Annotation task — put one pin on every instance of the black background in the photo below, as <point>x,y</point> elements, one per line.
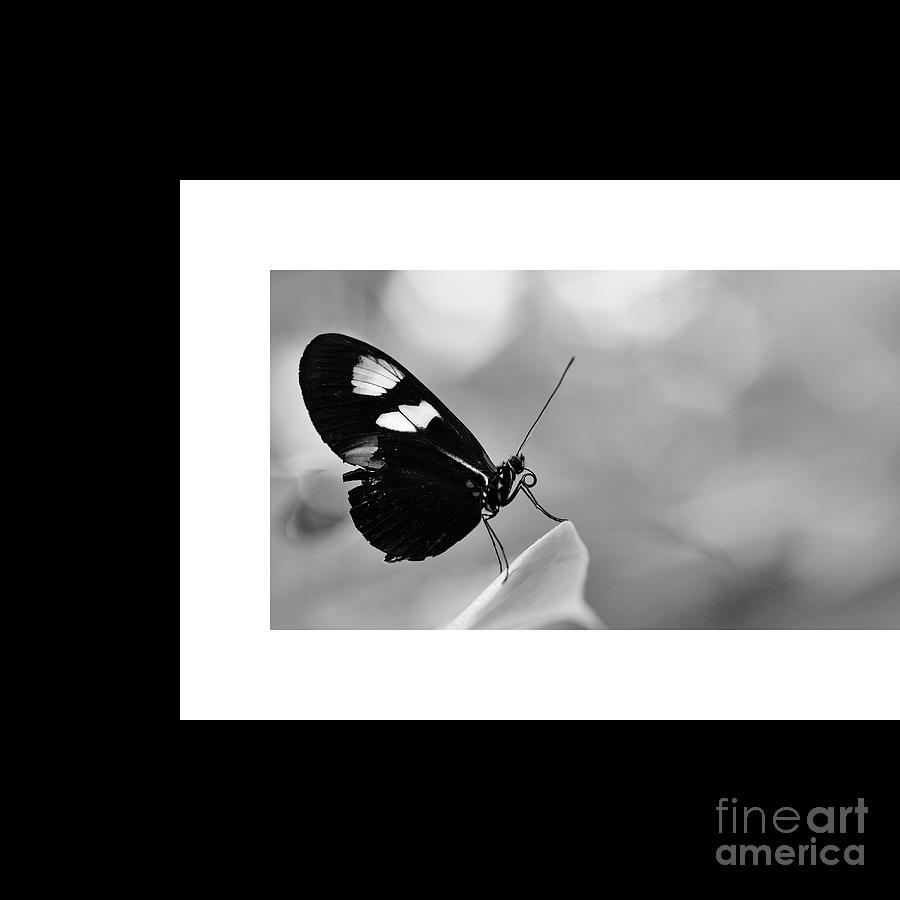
<point>442,807</point>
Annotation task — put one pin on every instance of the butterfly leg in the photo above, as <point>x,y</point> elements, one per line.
<point>495,542</point>
<point>533,499</point>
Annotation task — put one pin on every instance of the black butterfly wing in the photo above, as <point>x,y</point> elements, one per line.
<point>412,501</point>
<point>422,472</point>
<point>348,385</point>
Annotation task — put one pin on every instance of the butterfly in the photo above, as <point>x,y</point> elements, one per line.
<point>424,481</point>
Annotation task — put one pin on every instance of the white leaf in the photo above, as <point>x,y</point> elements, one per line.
<point>545,587</point>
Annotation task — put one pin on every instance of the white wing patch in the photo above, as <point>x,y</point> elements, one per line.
<point>395,421</point>
<point>409,418</point>
<point>374,377</point>
<point>364,455</point>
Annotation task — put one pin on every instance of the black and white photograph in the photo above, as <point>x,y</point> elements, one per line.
<point>543,450</point>
<point>722,452</point>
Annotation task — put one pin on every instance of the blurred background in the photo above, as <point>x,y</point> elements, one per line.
<point>727,443</point>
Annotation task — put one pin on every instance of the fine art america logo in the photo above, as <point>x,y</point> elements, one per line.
<point>818,837</point>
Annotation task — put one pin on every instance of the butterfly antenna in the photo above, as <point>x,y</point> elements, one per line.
<point>546,404</point>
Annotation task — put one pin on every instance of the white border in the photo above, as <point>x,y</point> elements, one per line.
<point>233,233</point>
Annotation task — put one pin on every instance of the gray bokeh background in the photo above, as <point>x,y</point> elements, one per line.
<point>727,443</point>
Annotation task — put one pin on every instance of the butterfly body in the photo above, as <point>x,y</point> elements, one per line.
<point>423,481</point>
<point>500,491</point>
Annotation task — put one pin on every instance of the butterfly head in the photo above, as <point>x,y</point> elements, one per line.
<point>517,463</point>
